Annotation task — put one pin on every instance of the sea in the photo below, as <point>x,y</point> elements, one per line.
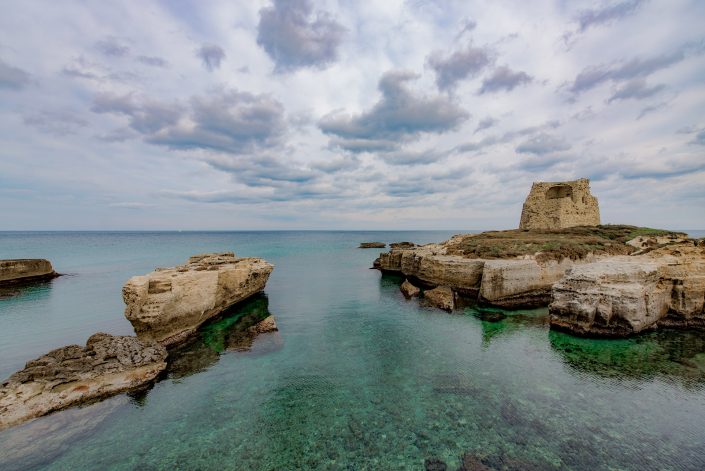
<point>356,378</point>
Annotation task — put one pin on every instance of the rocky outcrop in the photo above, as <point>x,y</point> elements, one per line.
<point>169,304</point>
<point>625,295</point>
<point>408,290</point>
<point>71,375</point>
<point>402,245</point>
<point>26,270</point>
<point>372,245</point>
<point>557,205</point>
<point>441,297</point>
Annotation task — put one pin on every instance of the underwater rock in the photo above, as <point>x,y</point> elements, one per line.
<point>409,290</point>
<point>372,245</point>
<point>490,315</point>
<point>434,464</point>
<point>625,295</point>
<point>440,297</point>
<point>470,462</point>
<point>267,324</point>
<point>26,270</point>
<point>73,375</point>
<point>169,304</point>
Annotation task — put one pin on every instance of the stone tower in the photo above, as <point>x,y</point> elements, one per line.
<point>555,205</point>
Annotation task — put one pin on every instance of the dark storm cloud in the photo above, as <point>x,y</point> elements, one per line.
<point>486,123</point>
<point>12,78</point>
<point>294,36</point>
<point>225,121</point>
<point>112,47</point>
<point>627,70</point>
<point>607,14</point>
<point>212,56</point>
<point>462,64</point>
<point>398,115</point>
<point>542,144</point>
<point>153,61</point>
<point>635,89</point>
<point>504,78</point>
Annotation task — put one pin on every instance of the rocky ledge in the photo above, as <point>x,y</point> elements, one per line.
<point>169,304</point>
<point>26,270</point>
<point>625,295</point>
<point>372,245</point>
<point>70,375</point>
<point>509,269</point>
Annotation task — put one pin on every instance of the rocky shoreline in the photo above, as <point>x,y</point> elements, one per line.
<point>26,270</point>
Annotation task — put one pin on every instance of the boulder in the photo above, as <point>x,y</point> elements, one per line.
<point>73,375</point>
<point>440,297</point>
<point>26,270</point>
<point>624,295</point>
<point>372,245</point>
<point>169,304</point>
<point>409,290</point>
<point>402,245</point>
<point>268,324</point>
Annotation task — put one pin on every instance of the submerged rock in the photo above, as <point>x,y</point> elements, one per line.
<point>409,290</point>
<point>26,270</point>
<point>372,245</point>
<point>440,297</point>
<point>169,304</point>
<point>620,296</point>
<point>73,375</point>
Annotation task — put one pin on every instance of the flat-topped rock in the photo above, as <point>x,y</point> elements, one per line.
<point>169,304</point>
<point>73,375</point>
<point>372,245</point>
<point>26,270</point>
<point>625,295</point>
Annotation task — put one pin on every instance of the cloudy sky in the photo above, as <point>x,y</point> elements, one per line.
<point>347,114</point>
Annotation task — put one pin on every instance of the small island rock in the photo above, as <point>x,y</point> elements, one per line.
<point>372,245</point>
<point>26,270</point>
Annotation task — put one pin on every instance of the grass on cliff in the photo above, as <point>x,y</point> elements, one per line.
<point>573,242</point>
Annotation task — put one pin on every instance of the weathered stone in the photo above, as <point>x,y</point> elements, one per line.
<point>372,245</point>
<point>25,270</point>
<point>624,295</point>
<point>268,324</point>
<point>402,245</point>
<point>409,290</point>
<point>557,205</point>
<point>440,297</point>
<point>72,375</point>
<point>168,305</point>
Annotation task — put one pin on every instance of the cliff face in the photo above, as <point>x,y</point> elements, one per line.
<point>620,296</point>
<point>169,304</point>
<point>557,205</point>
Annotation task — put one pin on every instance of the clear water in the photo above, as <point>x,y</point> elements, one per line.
<point>357,378</point>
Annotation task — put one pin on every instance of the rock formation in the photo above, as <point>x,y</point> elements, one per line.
<point>26,270</point>
<point>372,245</point>
<point>441,297</point>
<point>169,304</point>
<point>557,205</point>
<point>624,295</point>
<point>409,290</point>
<point>70,375</point>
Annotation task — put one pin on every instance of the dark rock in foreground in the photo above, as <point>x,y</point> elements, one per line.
<point>70,375</point>
<point>372,245</point>
<point>26,270</point>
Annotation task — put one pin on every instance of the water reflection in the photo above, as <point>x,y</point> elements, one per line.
<point>230,332</point>
<point>670,354</point>
<point>35,289</point>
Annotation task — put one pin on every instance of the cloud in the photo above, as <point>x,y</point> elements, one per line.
<point>542,144</point>
<point>153,61</point>
<point>294,37</point>
<point>486,123</point>
<point>462,64</point>
<point>406,157</point>
<point>651,109</point>
<point>699,138</point>
<point>635,89</point>
<point>212,56</point>
<point>593,17</point>
<point>112,47</point>
<point>399,115</point>
<point>57,123</point>
<point>504,78</point>
<point>226,120</point>
<point>12,78</point>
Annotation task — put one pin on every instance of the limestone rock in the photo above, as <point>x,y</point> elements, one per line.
<point>169,304</point>
<point>440,297</point>
<point>409,290</point>
<point>372,245</point>
<point>72,375</point>
<point>557,205</point>
<point>402,245</point>
<point>25,270</point>
<point>268,324</point>
<point>624,295</point>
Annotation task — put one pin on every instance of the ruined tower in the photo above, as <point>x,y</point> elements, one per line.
<point>555,205</point>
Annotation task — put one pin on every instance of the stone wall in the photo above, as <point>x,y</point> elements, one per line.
<point>557,205</point>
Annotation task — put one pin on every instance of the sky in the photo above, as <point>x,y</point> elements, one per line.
<point>364,114</point>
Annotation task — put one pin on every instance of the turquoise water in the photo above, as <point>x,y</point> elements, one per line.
<point>356,378</point>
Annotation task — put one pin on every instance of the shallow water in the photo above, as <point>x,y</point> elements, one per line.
<point>356,378</point>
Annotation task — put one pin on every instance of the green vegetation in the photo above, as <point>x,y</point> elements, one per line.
<point>573,242</point>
